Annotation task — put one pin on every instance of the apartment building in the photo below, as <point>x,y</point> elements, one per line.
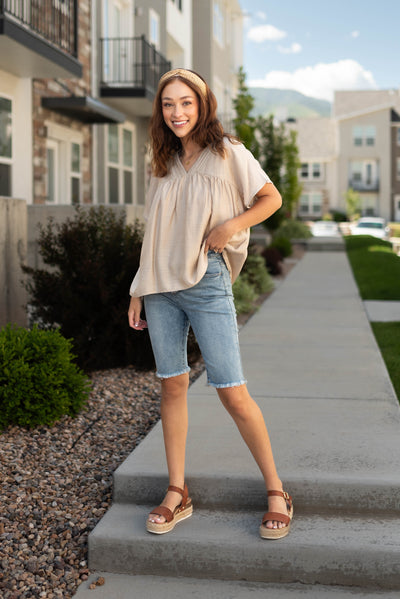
<point>218,50</point>
<point>360,149</point>
<point>316,139</point>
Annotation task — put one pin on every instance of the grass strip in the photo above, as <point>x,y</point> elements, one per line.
<point>375,266</point>
<point>387,335</point>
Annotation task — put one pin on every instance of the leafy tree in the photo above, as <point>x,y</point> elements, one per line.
<point>353,204</point>
<point>291,186</point>
<point>244,124</point>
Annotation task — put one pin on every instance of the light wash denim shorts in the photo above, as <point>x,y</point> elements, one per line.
<point>208,307</point>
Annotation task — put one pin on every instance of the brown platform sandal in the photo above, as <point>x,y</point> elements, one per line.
<point>277,533</point>
<point>181,512</point>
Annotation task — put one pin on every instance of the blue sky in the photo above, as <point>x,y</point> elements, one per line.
<point>316,47</point>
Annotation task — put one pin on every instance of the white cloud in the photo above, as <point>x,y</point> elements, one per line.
<point>261,16</point>
<point>263,33</point>
<point>320,80</point>
<point>293,49</point>
<point>355,34</point>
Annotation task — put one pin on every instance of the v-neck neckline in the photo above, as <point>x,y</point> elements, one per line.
<point>202,153</point>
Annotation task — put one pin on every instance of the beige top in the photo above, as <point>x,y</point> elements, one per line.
<point>181,210</point>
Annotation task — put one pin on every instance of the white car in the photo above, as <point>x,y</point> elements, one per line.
<point>325,228</point>
<point>371,225</point>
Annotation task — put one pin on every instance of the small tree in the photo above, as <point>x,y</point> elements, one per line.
<point>291,186</point>
<point>353,204</point>
<point>243,122</point>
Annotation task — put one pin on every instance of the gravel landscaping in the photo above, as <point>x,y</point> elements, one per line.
<point>56,482</point>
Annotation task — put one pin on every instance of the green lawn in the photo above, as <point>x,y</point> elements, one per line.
<point>375,266</point>
<point>387,335</point>
<point>376,269</point>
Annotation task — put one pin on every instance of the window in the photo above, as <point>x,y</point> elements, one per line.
<point>120,160</point>
<point>364,175</point>
<point>364,136</point>
<point>5,146</point>
<point>75,173</point>
<point>312,171</point>
<point>64,165</point>
<point>398,168</point>
<point>310,204</point>
<point>218,21</point>
<point>398,136</point>
<point>304,171</point>
<point>154,24</point>
<point>178,4</point>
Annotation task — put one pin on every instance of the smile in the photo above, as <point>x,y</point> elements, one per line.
<point>179,123</point>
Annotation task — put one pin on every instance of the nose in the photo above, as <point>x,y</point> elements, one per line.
<point>176,110</point>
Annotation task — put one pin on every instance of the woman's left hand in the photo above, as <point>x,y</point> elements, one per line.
<point>218,237</point>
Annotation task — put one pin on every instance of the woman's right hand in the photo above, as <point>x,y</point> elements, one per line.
<point>135,308</point>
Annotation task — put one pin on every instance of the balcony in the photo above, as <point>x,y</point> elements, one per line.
<point>130,71</point>
<point>39,38</point>
<point>362,185</point>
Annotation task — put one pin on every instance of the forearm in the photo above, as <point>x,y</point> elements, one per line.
<point>265,205</point>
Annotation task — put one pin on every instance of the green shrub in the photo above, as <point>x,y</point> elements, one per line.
<point>273,260</point>
<point>255,272</point>
<point>244,295</point>
<point>338,216</point>
<point>283,245</point>
<point>293,229</point>
<point>92,258</point>
<point>39,383</point>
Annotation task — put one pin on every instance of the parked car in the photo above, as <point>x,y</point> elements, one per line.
<point>325,228</point>
<point>370,225</point>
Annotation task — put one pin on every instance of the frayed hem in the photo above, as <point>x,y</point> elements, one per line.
<point>226,385</point>
<point>170,376</point>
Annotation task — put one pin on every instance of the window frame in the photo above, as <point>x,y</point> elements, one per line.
<point>120,166</point>
<point>9,160</point>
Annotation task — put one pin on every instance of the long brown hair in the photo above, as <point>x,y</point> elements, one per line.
<point>208,131</point>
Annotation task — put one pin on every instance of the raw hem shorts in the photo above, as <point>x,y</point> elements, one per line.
<point>209,309</point>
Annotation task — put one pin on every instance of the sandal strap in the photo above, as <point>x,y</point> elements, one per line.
<point>283,494</point>
<point>184,492</point>
<point>269,516</point>
<point>163,511</point>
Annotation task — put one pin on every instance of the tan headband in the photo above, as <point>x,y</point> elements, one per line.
<point>189,76</point>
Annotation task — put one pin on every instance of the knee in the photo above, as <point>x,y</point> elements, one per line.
<point>236,401</point>
<point>175,387</point>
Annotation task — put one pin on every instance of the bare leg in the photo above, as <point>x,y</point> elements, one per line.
<point>174,418</point>
<point>250,422</point>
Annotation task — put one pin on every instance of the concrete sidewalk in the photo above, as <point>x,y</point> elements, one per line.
<point>315,369</point>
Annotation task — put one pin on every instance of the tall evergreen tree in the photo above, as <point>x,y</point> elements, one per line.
<point>291,186</point>
<point>244,123</point>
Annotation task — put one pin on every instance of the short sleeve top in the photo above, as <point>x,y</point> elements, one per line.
<point>183,207</point>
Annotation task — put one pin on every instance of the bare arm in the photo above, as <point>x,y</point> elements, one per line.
<point>268,201</point>
<point>135,308</point>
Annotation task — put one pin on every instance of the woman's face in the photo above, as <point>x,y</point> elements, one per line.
<point>180,108</point>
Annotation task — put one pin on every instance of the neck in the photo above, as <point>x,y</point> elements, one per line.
<point>189,147</point>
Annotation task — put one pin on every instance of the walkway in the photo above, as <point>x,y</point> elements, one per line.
<point>315,369</point>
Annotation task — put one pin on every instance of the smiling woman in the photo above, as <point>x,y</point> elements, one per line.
<point>206,191</point>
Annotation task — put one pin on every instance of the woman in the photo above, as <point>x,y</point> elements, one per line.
<point>206,192</point>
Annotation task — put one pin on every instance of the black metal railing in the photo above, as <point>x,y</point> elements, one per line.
<point>54,20</point>
<point>131,62</point>
<point>364,185</point>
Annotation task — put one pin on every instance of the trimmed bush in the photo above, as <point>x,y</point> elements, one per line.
<point>39,382</point>
<point>273,260</point>
<point>255,272</point>
<point>283,245</point>
<point>293,229</point>
<point>91,260</point>
<point>244,295</point>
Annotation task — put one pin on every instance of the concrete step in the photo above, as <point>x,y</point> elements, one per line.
<point>346,550</point>
<point>122,586</point>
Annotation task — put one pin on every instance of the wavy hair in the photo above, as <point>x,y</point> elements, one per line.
<point>208,130</point>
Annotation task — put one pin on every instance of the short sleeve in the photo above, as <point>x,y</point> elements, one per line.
<point>247,173</point>
<point>149,196</point>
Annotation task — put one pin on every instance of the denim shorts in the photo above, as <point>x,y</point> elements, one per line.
<point>209,309</point>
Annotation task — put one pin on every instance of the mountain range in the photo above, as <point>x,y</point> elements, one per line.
<point>287,103</point>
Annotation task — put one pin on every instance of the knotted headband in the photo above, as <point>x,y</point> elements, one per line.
<point>189,76</point>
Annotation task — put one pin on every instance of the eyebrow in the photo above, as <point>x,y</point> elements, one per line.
<point>183,97</point>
